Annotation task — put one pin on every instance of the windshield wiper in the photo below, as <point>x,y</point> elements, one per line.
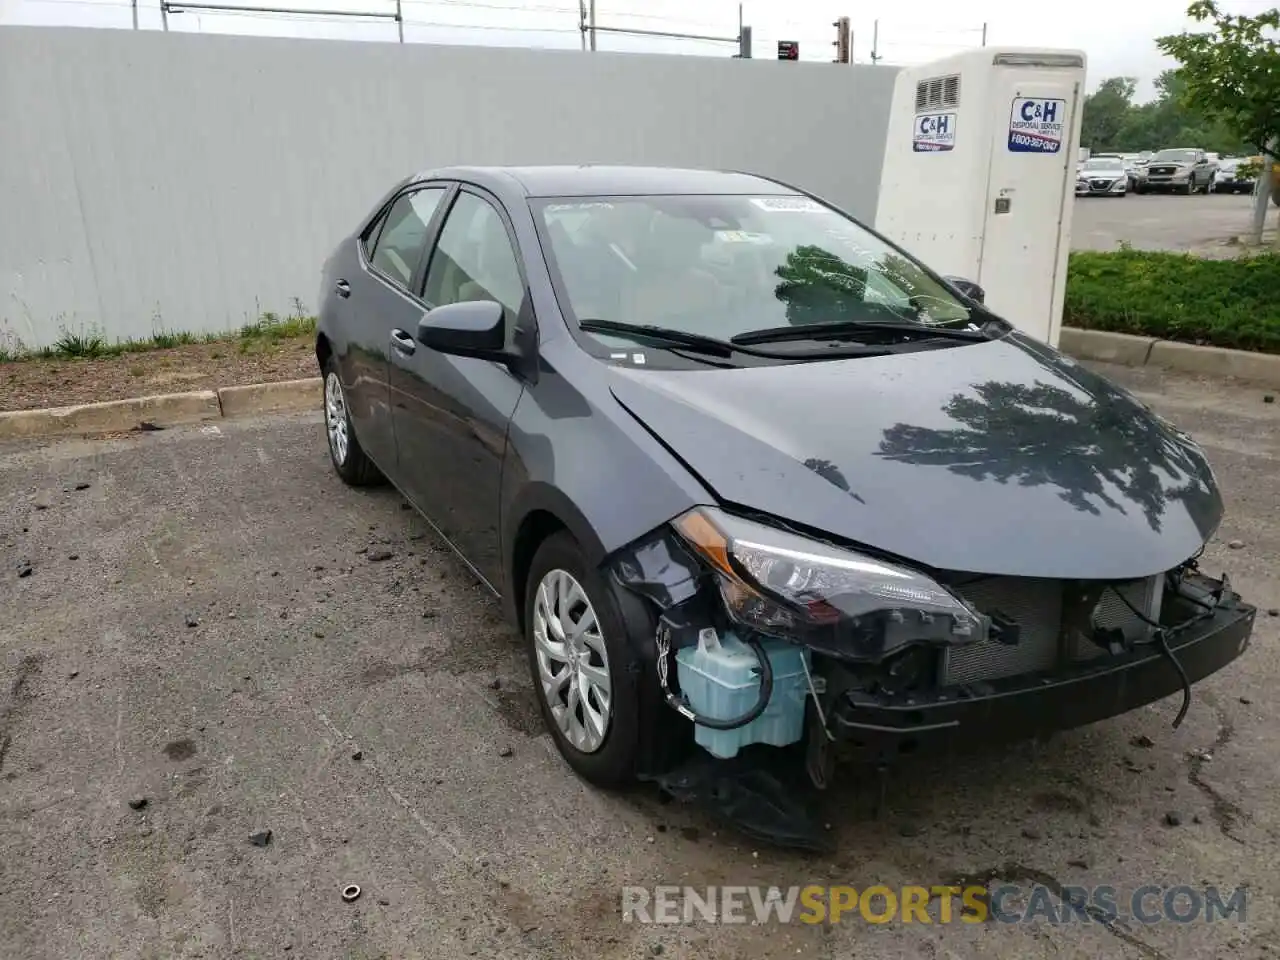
<point>669,337</point>
<point>663,335</point>
<point>838,329</point>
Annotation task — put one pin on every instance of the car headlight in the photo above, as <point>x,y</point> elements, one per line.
<point>787,585</point>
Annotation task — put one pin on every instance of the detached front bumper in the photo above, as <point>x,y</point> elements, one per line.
<point>873,729</point>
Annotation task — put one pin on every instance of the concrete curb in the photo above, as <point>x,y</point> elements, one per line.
<point>112,416</point>
<point>166,410</point>
<point>278,397</point>
<point>1260,368</point>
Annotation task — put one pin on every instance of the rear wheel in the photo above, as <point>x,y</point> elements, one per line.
<point>345,453</point>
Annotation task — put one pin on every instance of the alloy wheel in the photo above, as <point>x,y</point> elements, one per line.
<point>335,417</point>
<point>573,663</point>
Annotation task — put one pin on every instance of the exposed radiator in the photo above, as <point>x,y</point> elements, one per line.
<point>1037,607</point>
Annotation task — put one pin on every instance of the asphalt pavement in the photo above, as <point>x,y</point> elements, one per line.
<point>1204,225</point>
<point>216,638</point>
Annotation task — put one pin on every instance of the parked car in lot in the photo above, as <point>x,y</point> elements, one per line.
<point>1136,169</point>
<point>1234,176</point>
<point>1102,177</point>
<point>1179,171</point>
<point>745,473</point>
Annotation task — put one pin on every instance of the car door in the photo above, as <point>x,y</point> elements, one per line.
<point>378,300</point>
<point>451,413</point>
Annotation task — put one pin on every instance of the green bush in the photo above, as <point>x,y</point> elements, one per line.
<point>1173,296</point>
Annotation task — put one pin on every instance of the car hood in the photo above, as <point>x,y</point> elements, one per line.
<point>1111,172</point>
<point>1002,457</point>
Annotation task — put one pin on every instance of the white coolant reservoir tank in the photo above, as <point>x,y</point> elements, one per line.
<point>720,678</point>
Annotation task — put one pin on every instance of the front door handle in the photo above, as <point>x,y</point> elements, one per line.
<point>343,288</point>
<point>403,342</point>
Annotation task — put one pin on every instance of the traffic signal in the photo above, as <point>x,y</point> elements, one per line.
<point>788,50</point>
<point>842,42</point>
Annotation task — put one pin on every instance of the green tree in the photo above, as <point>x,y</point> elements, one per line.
<point>1166,121</point>
<point>1106,111</point>
<point>1232,72</point>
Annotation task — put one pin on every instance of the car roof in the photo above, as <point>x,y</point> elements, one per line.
<point>594,180</point>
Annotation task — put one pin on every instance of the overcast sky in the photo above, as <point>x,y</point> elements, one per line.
<point>1117,36</point>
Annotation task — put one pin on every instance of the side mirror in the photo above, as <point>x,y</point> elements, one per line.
<point>473,328</point>
<point>969,289</point>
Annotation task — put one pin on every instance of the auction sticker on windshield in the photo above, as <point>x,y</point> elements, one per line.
<point>786,204</point>
<point>934,133</point>
<point>742,236</point>
<point>1037,125</point>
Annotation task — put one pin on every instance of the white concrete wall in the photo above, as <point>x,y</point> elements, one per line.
<point>162,182</point>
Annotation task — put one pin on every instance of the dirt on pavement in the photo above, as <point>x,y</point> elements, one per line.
<point>34,383</point>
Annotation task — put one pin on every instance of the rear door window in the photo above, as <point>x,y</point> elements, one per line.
<point>403,238</point>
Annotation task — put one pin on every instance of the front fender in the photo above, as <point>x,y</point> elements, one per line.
<point>574,453</point>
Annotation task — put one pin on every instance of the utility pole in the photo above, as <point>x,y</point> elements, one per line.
<point>164,14</point>
<point>744,43</point>
<point>399,21</point>
<point>984,34</point>
<point>842,40</point>
<point>592,16</point>
<point>875,42</point>
<point>134,4</point>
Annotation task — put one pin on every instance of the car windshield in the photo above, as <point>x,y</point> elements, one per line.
<point>1104,164</point>
<point>722,266</point>
<point>1175,156</point>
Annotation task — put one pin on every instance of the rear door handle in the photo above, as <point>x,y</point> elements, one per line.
<point>343,288</point>
<point>403,342</point>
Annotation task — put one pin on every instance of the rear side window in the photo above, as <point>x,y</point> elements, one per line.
<point>400,241</point>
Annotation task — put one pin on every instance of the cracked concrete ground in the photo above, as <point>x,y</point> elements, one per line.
<point>200,630</point>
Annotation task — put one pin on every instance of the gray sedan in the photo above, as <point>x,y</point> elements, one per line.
<point>746,474</point>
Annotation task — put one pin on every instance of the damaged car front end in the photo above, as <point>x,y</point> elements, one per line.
<point>770,636</point>
<point>755,484</point>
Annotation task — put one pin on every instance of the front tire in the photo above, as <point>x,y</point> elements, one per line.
<point>579,658</point>
<point>349,460</point>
